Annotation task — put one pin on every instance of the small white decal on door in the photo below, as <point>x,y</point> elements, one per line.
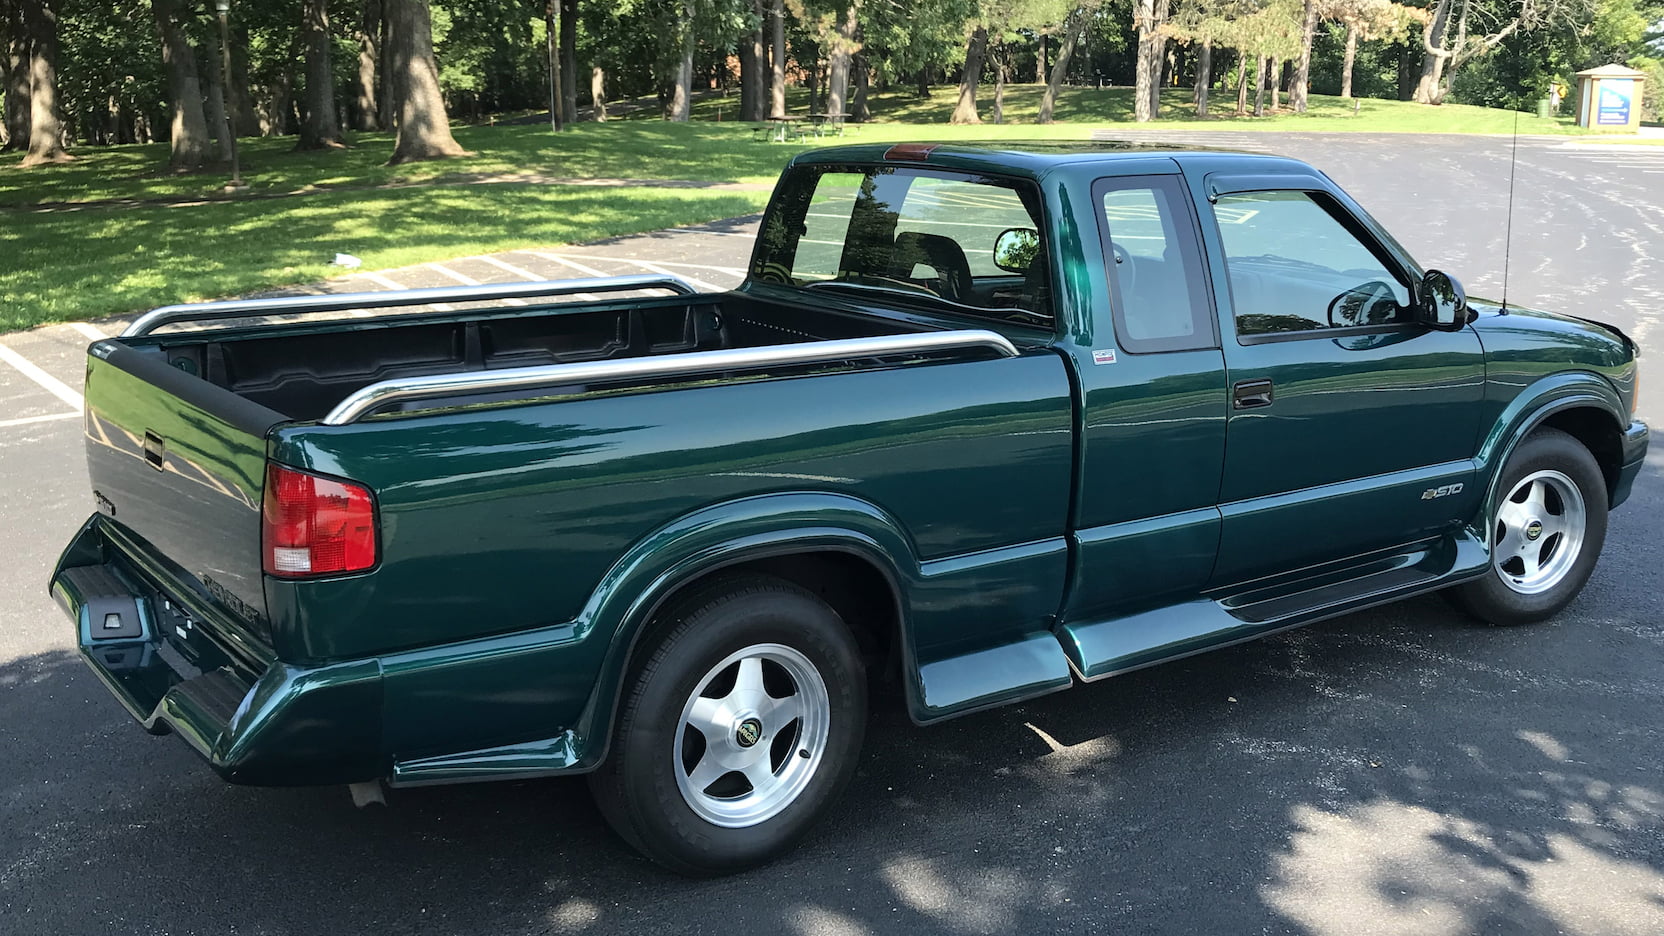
<point>1104,356</point>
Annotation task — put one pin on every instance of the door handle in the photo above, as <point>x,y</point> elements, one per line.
<point>1251,394</point>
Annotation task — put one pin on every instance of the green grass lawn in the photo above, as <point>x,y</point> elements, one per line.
<point>66,266</point>
<point>111,248</point>
<point>1114,106</point>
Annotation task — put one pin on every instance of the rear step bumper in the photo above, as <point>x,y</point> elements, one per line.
<point>280,725</point>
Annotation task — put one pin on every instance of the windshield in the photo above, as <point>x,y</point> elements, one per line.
<point>964,244</point>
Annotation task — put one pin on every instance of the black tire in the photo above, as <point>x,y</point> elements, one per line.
<point>1491,598</point>
<point>637,788</point>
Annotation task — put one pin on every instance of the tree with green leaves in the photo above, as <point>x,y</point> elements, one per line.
<point>424,128</point>
<point>188,131</point>
<point>1496,20</point>
<point>991,29</point>
<point>1365,21</point>
<point>14,74</point>
<point>1079,19</point>
<point>319,128</point>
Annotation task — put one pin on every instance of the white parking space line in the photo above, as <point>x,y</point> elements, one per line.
<point>92,333</point>
<point>585,270</point>
<point>525,274</point>
<point>521,272</point>
<point>730,271</point>
<point>655,268</point>
<point>382,281</point>
<point>387,282</point>
<point>462,278</point>
<point>28,420</point>
<point>52,384</point>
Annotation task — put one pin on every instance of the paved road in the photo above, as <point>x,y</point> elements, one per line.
<point>1398,771</point>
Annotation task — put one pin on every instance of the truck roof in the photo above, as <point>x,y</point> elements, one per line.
<point>1039,157</point>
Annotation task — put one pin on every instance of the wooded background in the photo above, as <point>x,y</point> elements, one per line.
<point>100,72</point>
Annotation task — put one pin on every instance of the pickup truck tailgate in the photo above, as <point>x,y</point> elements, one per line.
<point>178,465</point>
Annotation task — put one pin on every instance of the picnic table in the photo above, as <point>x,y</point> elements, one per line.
<point>780,126</point>
<point>828,123</point>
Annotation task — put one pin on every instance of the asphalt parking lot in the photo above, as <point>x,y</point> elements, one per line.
<point>1399,771</point>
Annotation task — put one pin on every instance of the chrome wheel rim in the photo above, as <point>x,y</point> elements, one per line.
<point>1538,532</point>
<point>751,736</point>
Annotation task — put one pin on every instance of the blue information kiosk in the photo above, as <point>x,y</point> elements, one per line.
<point>1609,99</point>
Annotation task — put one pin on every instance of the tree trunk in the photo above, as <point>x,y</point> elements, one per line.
<point>188,137</point>
<point>598,93</point>
<point>242,99</point>
<point>1000,64</point>
<point>424,129</point>
<point>551,58</point>
<point>279,104</point>
<point>923,81</point>
<point>1346,63</point>
<point>319,129</point>
<point>777,59</point>
<point>1158,55</point>
<point>1432,66</point>
<point>1144,14</point>
<point>975,50</point>
<point>748,78</point>
<point>1040,62</point>
<point>837,70</point>
<point>366,116</point>
<point>1204,77</point>
<point>1303,71</point>
<point>1454,62</point>
<point>1242,83</point>
<point>1071,36</point>
<point>1262,63</point>
<point>753,67</point>
<point>214,103</point>
<point>45,123</point>
<point>14,70</point>
<point>681,105</point>
<point>384,99</point>
<point>569,61</point>
<point>1273,73</point>
<point>860,113</point>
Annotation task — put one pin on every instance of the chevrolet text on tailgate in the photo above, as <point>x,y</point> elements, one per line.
<point>989,422</point>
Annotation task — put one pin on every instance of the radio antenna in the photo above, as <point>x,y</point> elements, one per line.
<point>1508,230</point>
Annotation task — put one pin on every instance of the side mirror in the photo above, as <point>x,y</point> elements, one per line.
<point>1444,304</point>
<point>1015,249</point>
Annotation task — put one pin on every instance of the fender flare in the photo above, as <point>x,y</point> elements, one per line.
<point>622,606</point>
<point>1527,411</point>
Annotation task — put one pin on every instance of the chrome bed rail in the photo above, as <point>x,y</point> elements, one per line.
<point>343,302</point>
<point>669,365</point>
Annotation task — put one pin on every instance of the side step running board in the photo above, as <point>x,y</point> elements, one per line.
<point>1097,649</point>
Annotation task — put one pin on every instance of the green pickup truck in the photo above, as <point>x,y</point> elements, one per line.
<point>985,422</point>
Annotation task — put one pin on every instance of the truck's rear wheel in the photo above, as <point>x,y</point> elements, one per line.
<point>741,728</point>
<point>1546,532</point>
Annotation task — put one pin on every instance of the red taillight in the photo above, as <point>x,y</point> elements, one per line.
<point>315,526</point>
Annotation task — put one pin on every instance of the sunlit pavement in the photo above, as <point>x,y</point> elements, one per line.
<point>1400,771</point>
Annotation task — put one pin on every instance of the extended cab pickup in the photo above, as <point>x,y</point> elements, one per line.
<point>995,422</point>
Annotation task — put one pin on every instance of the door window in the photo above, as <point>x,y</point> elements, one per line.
<point>1157,284</point>
<point>1294,267</point>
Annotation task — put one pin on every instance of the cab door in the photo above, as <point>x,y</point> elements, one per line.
<point>1351,427</point>
<point>1153,391</point>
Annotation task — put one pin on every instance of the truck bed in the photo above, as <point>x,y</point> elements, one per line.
<point>303,371</point>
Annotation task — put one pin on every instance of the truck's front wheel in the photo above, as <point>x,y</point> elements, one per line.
<point>1546,532</point>
<point>740,729</point>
